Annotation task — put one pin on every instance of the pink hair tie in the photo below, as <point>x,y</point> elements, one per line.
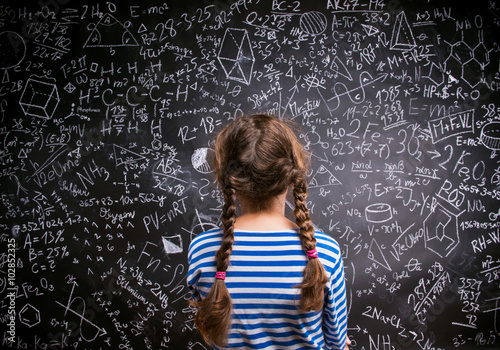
<point>220,275</point>
<point>311,254</point>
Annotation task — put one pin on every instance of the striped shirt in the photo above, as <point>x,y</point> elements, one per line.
<point>264,268</point>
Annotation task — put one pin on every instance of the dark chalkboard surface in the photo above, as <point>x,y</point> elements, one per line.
<point>107,116</point>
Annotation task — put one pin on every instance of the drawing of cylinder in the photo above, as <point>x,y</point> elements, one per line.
<point>378,212</point>
<point>490,136</point>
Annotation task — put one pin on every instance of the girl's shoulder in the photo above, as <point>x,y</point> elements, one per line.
<point>326,241</point>
<point>212,236</point>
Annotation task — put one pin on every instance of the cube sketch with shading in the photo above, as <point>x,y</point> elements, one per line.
<point>39,98</point>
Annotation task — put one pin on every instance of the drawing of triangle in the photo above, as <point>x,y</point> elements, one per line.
<point>6,77</point>
<point>323,177</point>
<point>338,67</point>
<point>126,157</point>
<point>236,73</point>
<point>142,28</point>
<point>452,79</point>
<point>172,244</point>
<point>370,30</point>
<point>402,35</point>
<point>109,32</point>
<point>375,254</point>
<point>22,154</point>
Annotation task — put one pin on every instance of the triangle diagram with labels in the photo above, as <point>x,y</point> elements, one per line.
<point>339,67</point>
<point>375,254</point>
<point>323,177</point>
<point>128,158</point>
<point>109,32</point>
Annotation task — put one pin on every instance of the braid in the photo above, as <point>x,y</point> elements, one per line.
<point>228,218</point>
<point>302,215</point>
<point>213,318</point>
<point>258,157</point>
<point>314,280</point>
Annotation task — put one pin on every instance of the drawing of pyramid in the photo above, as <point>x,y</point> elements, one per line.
<point>402,36</point>
<point>323,177</point>
<point>109,32</point>
<point>236,55</point>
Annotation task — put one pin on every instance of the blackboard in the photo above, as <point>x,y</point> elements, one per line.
<point>107,116</point>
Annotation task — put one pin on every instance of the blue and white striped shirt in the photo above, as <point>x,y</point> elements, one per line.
<point>264,268</point>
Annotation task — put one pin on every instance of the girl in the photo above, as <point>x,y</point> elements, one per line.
<point>263,281</point>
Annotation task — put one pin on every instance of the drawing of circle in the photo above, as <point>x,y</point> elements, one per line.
<point>313,22</point>
<point>490,136</point>
<point>312,82</point>
<point>201,160</point>
<point>13,49</point>
<point>378,212</point>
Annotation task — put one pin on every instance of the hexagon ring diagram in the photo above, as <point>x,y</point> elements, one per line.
<point>441,231</point>
<point>29,315</point>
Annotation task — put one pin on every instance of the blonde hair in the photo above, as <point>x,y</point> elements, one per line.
<point>257,157</point>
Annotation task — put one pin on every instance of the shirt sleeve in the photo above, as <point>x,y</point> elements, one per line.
<point>335,313</point>
<point>193,275</point>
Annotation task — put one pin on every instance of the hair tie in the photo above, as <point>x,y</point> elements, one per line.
<point>220,275</point>
<point>311,254</point>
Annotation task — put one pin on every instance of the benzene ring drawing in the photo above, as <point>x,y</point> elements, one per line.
<point>441,231</point>
<point>29,315</point>
<point>236,55</point>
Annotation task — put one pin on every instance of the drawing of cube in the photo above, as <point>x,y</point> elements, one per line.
<point>236,55</point>
<point>39,98</point>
